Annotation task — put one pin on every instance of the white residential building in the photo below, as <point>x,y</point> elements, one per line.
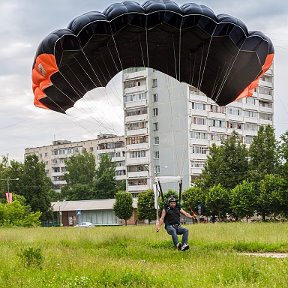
<point>169,126</point>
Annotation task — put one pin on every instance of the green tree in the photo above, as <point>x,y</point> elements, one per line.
<point>243,200</point>
<point>123,205</point>
<point>217,201</point>
<point>226,164</point>
<point>80,169</point>
<point>192,197</point>
<point>146,206</point>
<point>16,214</point>
<point>34,185</point>
<point>105,183</point>
<point>270,197</point>
<point>77,192</point>
<point>264,154</point>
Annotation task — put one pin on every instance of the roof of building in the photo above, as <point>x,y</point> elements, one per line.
<point>85,205</point>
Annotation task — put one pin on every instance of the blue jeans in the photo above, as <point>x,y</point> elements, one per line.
<point>180,231</point>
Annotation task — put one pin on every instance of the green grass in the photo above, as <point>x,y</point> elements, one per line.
<point>137,256</point>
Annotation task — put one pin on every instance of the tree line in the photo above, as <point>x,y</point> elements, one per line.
<point>235,181</point>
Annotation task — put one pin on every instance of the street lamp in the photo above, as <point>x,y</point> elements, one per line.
<point>8,186</point>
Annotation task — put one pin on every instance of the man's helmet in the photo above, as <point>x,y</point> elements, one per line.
<point>172,199</point>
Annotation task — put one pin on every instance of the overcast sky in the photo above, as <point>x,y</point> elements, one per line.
<point>24,24</point>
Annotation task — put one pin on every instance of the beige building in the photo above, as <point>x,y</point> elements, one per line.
<point>54,155</point>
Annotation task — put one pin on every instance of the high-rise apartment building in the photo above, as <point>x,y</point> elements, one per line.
<point>169,126</point>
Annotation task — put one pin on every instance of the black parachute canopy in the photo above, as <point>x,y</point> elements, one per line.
<point>216,54</point>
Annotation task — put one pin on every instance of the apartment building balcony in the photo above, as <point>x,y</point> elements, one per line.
<point>196,170</point>
<point>121,158</point>
<point>216,115</point>
<point>251,119</point>
<point>139,174</point>
<point>197,112</point>
<point>250,133</point>
<point>57,173</point>
<point>59,182</point>
<point>140,146</point>
<point>266,109</point>
<point>135,89</point>
<point>265,83</point>
<point>202,142</point>
<point>198,156</point>
<point>231,130</point>
<point>217,129</point>
<point>120,177</point>
<point>265,97</point>
<point>236,118</point>
<point>137,161</point>
<point>135,75</point>
<point>265,122</point>
<point>195,97</point>
<point>198,127</point>
<point>143,131</point>
<point>135,118</point>
<point>133,104</point>
<point>138,188</point>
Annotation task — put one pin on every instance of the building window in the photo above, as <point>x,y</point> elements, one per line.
<point>137,154</point>
<point>156,154</point>
<point>154,83</point>
<point>155,97</point>
<point>155,126</point>
<point>198,106</point>
<point>198,120</point>
<point>198,135</point>
<point>156,140</point>
<point>234,111</point>
<point>234,125</point>
<point>251,114</point>
<point>217,123</point>
<point>155,112</point>
<point>251,127</point>
<point>157,169</point>
<point>199,149</point>
<point>265,116</point>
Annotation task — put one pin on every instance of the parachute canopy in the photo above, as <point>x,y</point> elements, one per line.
<point>216,54</point>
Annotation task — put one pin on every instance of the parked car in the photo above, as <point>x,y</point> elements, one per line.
<point>85,224</point>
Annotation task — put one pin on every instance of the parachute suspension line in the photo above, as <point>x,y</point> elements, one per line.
<point>91,66</point>
<point>120,96</point>
<point>112,34</point>
<point>161,191</point>
<point>228,73</point>
<point>185,148</point>
<point>112,58</point>
<point>175,59</point>
<point>180,191</point>
<point>199,73</point>
<point>142,53</point>
<point>192,75</point>
<point>216,80</point>
<point>206,58</point>
<point>70,116</point>
<point>99,122</point>
<point>147,47</point>
<point>179,50</point>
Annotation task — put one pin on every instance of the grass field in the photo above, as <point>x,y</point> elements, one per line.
<point>137,256</point>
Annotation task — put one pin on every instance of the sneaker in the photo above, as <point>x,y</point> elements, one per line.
<point>179,245</point>
<point>185,247</point>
